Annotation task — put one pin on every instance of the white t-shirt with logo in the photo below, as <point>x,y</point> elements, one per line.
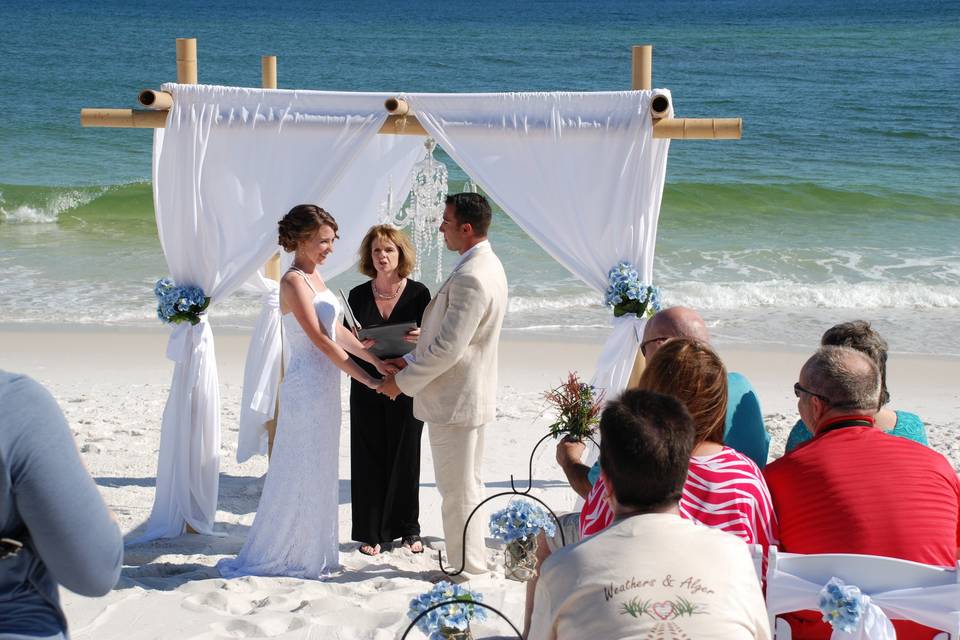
<point>650,576</point>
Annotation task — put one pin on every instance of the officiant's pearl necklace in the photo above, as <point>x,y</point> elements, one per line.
<point>386,296</point>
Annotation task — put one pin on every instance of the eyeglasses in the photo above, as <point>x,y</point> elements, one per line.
<point>643,345</point>
<point>797,389</point>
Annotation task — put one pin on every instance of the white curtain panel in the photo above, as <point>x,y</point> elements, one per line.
<point>579,172</point>
<point>228,165</point>
<point>357,201</point>
<point>261,371</point>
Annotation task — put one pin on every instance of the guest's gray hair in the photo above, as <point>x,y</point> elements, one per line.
<point>847,377</point>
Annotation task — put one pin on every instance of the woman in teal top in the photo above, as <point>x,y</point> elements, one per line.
<point>906,425</point>
<point>860,336</point>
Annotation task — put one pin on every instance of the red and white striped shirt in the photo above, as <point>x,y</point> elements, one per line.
<point>723,491</point>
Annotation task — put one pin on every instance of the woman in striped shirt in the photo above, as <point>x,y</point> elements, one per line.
<point>724,489</point>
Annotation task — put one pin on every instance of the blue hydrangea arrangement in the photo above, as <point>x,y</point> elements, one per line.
<point>521,520</point>
<point>626,294</point>
<point>842,605</point>
<point>439,623</point>
<point>179,304</point>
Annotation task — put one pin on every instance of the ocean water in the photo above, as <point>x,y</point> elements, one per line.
<point>841,201</point>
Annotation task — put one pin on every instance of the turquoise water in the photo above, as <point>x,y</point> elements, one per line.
<point>842,200</point>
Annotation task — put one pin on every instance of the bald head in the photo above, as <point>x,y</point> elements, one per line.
<point>675,322</point>
<point>847,378</point>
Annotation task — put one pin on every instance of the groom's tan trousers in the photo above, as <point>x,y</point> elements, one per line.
<point>457,460</point>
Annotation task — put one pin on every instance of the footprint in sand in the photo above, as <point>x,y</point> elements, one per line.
<point>265,626</point>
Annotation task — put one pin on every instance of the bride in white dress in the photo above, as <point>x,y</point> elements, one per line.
<point>295,532</point>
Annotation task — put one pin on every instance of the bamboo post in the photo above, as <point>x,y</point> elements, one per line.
<point>268,80</point>
<point>186,74</point>
<point>642,67</point>
<point>641,80</point>
<point>187,60</point>
<point>639,364</point>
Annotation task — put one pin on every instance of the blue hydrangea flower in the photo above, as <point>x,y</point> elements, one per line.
<point>521,520</point>
<point>176,304</point>
<point>626,294</point>
<point>451,616</point>
<point>842,605</point>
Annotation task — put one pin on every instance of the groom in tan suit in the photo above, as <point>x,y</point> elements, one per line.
<point>452,374</point>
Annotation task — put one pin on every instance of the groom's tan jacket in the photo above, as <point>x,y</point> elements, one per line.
<point>453,380</point>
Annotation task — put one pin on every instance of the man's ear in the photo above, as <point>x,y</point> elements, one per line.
<point>819,407</point>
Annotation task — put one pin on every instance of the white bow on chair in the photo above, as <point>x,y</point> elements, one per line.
<point>937,607</point>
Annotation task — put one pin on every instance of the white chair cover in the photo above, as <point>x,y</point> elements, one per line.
<point>933,606</point>
<point>579,172</point>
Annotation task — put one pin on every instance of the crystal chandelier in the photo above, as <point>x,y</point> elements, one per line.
<point>424,209</point>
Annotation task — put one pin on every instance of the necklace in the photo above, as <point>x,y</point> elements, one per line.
<point>386,296</point>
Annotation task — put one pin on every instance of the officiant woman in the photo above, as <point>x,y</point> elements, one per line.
<point>384,435</point>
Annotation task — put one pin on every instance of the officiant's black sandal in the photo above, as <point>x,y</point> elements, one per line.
<point>409,541</point>
<point>369,549</point>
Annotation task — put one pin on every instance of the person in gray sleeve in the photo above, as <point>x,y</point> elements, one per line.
<point>50,505</point>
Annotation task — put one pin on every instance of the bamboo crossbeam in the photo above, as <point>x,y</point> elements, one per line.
<point>659,106</point>
<point>156,100</point>
<point>396,106</point>
<point>401,119</point>
<point>672,128</point>
<point>123,118</point>
<point>698,128</point>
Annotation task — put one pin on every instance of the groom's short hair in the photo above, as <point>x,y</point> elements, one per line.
<point>472,209</point>
<point>645,443</point>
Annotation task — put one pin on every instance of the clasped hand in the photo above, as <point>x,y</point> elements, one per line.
<point>388,385</point>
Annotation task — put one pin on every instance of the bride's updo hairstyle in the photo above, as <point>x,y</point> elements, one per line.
<point>301,223</point>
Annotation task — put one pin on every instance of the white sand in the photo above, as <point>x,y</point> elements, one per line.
<point>112,386</point>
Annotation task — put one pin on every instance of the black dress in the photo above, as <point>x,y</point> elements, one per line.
<point>384,436</point>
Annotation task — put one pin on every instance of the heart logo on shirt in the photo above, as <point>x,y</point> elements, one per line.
<point>663,610</point>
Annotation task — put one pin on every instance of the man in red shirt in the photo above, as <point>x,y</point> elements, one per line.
<point>854,488</point>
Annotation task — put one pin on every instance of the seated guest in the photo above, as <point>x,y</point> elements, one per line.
<point>860,336</point>
<point>743,428</point>
<point>651,573</point>
<point>724,489</point>
<point>49,505</point>
<point>856,489</point>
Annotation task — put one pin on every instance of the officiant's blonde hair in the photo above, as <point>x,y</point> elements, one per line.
<point>407,258</point>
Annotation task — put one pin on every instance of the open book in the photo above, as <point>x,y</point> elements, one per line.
<point>389,337</point>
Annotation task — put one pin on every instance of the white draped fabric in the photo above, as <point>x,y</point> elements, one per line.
<point>383,165</point>
<point>229,163</point>
<point>579,172</point>
<point>937,607</point>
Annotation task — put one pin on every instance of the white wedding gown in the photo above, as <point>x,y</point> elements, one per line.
<point>295,532</point>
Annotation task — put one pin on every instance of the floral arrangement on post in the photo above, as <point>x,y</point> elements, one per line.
<point>179,304</point>
<point>578,408</point>
<point>451,621</point>
<point>842,605</point>
<point>626,294</point>
<point>518,525</point>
